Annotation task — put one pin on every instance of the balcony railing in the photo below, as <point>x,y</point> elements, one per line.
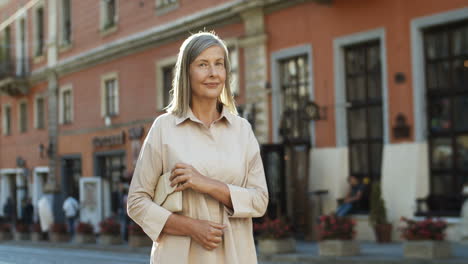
<point>14,75</point>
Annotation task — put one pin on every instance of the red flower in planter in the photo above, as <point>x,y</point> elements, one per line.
<point>427,229</point>
<point>58,228</point>
<point>84,228</point>
<point>110,227</point>
<point>273,229</point>
<point>22,228</point>
<point>332,227</point>
<point>5,228</point>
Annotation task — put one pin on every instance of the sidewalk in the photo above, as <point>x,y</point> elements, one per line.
<point>371,253</point>
<point>307,252</point>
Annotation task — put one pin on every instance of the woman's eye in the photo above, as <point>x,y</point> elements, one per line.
<point>203,65</point>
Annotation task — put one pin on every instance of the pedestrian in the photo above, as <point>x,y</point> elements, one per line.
<point>46,218</point>
<point>353,196</point>
<point>8,210</point>
<point>70,208</point>
<point>211,155</point>
<point>27,211</point>
<point>123,216</point>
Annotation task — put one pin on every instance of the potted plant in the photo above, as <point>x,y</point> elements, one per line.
<point>58,233</point>
<point>425,239</point>
<point>274,237</point>
<point>22,232</point>
<point>36,234</point>
<point>109,232</point>
<point>85,233</point>
<point>336,236</point>
<point>137,237</point>
<point>5,232</point>
<point>378,215</point>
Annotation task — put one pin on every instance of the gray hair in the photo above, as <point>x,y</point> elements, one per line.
<point>192,47</point>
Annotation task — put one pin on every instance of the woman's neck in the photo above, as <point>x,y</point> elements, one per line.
<point>205,110</point>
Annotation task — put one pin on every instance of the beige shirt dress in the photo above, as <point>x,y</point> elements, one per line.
<point>226,151</point>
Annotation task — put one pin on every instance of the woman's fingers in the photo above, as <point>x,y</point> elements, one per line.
<point>179,179</point>
<point>177,172</point>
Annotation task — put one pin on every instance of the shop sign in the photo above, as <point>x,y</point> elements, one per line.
<point>109,141</point>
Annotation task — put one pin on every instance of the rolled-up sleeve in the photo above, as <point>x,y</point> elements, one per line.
<point>250,200</point>
<point>140,206</point>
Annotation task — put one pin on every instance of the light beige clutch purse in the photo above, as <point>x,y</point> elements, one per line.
<point>165,196</point>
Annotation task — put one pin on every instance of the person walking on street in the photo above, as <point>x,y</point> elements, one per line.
<point>46,218</point>
<point>27,211</point>
<point>71,207</point>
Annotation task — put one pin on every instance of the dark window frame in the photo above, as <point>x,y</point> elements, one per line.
<point>450,202</point>
<point>369,171</point>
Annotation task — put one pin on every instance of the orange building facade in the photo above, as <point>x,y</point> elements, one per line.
<point>375,89</point>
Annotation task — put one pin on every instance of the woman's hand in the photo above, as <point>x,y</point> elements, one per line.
<point>188,177</point>
<point>208,234</point>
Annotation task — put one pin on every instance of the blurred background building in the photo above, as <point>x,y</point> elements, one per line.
<point>372,88</point>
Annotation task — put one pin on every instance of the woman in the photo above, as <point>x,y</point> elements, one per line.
<point>214,159</point>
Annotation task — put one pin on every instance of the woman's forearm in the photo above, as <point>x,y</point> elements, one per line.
<point>178,225</point>
<point>220,191</point>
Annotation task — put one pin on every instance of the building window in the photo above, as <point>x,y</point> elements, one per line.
<point>23,117</point>
<point>66,22</point>
<point>446,66</point>
<point>168,75</point>
<point>22,70</point>
<point>234,60</point>
<point>164,6</point>
<point>66,105</point>
<point>294,78</point>
<point>109,14</point>
<point>40,113</point>
<point>364,113</point>
<point>110,95</point>
<point>5,56</point>
<point>39,32</point>
<point>7,120</point>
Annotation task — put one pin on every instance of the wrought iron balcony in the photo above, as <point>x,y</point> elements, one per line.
<point>14,76</point>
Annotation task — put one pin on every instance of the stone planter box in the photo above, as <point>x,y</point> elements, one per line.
<point>338,248</point>
<point>20,236</point>
<point>427,249</point>
<point>276,246</point>
<point>36,237</point>
<point>6,236</point>
<point>58,237</point>
<point>106,239</point>
<point>139,241</point>
<point>85,238</point>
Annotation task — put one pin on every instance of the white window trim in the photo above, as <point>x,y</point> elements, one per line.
<point>36,111</point>
<point>19,43</point>
<point>418,67</point>
<point>103,16</point>
<point>20,102</point>
<point>40,4</point>
<point>4,106</point>
<point>62,24</point>
<point>277,102</point>
<point>104,78</point>
<point>340,89</point>
<point>160,65</point>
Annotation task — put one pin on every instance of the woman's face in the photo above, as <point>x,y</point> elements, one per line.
<point>208,74</point>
